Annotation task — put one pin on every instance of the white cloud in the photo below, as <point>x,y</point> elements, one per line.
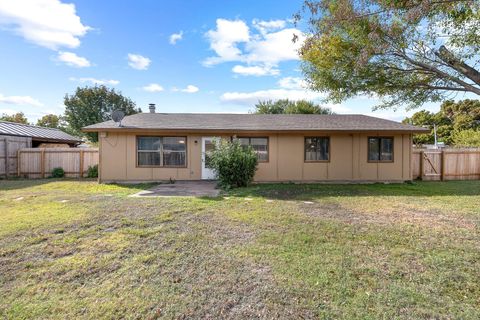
<point>292,83</point>
<point>48,23</point>
<point>95,81</point>
<point>255,70</point>
<point>175,37</point>
<point>153,87</point>
<point>250,98</point>
<point>232,40</point>
<point>20,100</point>
<point>73,60</point>
<point>138,62</point>
<point>267,26</point>
<point>224,40</point>
<point>189,89</point>
<point>274,47</point>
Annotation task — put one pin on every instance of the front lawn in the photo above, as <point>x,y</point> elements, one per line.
<point>76,249</point>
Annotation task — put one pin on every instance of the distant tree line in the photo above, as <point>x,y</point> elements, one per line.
<point>458,123</point>
<point>286,106</point>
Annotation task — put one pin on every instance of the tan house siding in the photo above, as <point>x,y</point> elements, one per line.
<point>348,158</point>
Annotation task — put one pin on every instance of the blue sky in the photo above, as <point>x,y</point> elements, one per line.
<point>185,56</point>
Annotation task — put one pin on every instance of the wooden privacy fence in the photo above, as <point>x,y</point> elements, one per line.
<point>39,162</point>
<point>446,164</point>
<point>8,153</point>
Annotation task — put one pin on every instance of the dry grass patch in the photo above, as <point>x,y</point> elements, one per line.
<point>310,251</point>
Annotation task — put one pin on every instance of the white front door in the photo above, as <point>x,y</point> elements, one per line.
<point>208,143</point>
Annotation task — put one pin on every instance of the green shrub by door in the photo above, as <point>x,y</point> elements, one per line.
<point>234,164</point>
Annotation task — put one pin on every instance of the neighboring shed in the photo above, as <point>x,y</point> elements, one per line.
<point>14,136</point>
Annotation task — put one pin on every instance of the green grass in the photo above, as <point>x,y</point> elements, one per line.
<point>76,249</point>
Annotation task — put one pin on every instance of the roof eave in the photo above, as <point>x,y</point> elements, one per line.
<point>56,140</point>
<point>131,129</point>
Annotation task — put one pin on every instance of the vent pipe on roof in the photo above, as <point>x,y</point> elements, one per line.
<point>151,106</point>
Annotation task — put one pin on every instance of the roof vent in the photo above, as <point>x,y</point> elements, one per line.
<point>151,106</point>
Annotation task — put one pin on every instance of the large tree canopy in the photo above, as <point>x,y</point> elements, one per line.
<point>91,105</point>
<point>405,52</point>
<point>285,106</point>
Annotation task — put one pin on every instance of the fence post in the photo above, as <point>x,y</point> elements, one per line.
<point>42,163</point>
<point>7,168</point>
<point>81,163</point>
<point>422,165</point>
<point>19,162</point>
<point>442,166</point>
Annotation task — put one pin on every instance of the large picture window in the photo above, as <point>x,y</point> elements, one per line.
<point>161,151</point>
<point>259,144</point>
<point>317,149</point>
<point>380,149</point>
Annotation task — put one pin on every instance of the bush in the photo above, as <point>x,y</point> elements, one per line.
<point>58,172</point>
<point>234,164</point>
<point>92,171</point>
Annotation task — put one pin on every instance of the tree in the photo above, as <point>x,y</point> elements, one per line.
<point>18,117</point>
<point>270,107</point>
<point>405,52</point>
<point>91,105</point>
<point>452,119</point>
<point>49,121</point>
<point>464,114</point>
<point>285,106</point>
<point>467,138</point>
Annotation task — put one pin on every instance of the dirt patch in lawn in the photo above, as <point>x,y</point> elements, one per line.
<point>393,215</point>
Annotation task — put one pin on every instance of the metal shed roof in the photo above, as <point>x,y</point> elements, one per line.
<point>36,133</point>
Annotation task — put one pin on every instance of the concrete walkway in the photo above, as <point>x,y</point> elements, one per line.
<point>181,189</point>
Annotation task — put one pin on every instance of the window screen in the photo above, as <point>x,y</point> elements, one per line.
<point>380,149</point>
<point>161,151</point>
<point>317,149</point>
<point>260,145</point>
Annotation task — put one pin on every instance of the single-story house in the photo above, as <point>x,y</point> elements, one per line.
<point>159,146</point>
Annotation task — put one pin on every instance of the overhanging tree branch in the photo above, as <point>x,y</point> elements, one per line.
<point>441,74</point>
<point>448,57</point>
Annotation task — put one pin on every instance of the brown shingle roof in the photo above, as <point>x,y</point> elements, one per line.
<point>253,122</point>
<point>37,133</point>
